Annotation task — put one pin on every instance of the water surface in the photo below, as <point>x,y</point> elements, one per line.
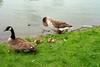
<point>19,13</point>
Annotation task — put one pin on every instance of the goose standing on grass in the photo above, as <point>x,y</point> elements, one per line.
<point>56,25</point>
<point>19,44</point>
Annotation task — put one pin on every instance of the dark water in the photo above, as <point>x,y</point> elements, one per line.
<point>19,13</point>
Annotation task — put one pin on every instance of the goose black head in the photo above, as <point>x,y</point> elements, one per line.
<point>8,28</point>
<point>45,21</point>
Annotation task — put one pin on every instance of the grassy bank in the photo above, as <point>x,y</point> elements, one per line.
<point>72,49</point>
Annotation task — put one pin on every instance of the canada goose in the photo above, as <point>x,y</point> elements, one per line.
<point>56,25</point>
<point>19,44</point>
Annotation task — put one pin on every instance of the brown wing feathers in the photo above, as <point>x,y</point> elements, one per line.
<point>21,45</point>
<point>60,24</point>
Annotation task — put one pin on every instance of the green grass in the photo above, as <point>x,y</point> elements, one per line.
<point>72,49</point>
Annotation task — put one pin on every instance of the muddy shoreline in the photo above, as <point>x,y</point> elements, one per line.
<point>49,32</point>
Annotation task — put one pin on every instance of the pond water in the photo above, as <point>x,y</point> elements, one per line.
<point>20,13</point>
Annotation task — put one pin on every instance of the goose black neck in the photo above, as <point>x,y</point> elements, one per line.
<point>12,34</point>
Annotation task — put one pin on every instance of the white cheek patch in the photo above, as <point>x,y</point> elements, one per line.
<point>62,29</point>
<point>9,39</point>
<point>10,29</point>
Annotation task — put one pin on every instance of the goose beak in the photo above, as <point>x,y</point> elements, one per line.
<point>4,30</point>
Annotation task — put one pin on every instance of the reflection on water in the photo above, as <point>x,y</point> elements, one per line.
<point>20,13</point>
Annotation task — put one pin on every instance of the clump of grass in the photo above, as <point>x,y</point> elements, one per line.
<point>72,49</point>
